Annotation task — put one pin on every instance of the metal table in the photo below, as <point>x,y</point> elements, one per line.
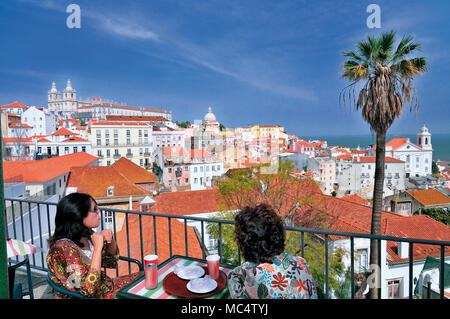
<point>136,289</point>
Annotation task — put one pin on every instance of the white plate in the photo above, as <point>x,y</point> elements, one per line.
<point>202,285</point>
<point>190,272</point>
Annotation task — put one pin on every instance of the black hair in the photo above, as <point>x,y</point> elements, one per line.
<point>70,212</point>
<point>260,233</point>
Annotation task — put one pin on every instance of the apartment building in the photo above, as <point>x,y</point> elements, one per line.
<point>204,167</point>
<point>356,175</point>
<point>112,140</point>
<point>326,174</point>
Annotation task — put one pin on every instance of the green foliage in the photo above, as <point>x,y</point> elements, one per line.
<point>434,168</point>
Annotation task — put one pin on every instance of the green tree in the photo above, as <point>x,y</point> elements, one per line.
<point>434,168</point>
<point>386,75</point>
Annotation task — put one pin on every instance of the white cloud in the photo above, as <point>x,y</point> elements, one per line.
<point>126,29</point>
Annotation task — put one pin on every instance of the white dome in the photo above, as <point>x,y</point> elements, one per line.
<point>69,87</point>
<point>53,90</point>
<point>209,117</point>
<point>424,129</point>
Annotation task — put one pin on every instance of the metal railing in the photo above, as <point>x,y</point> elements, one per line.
<point>33,221</point>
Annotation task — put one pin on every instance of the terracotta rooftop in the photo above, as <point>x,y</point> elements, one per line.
<point>44,170</point>
<point>64,131</point>
<point>133,172</point>
<point>95,181</point>
<point>166,244</point>
<point>429,197</point>
<point>346,216</point>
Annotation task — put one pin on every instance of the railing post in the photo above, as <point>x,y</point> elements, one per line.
<point>442,272</point>
<point>326,267</point>
<point>379,268</point>
<point>352,267</point>
<point>4,281</point>
<point>411,273</point>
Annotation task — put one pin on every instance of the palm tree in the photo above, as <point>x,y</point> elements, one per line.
<point>384,77</point>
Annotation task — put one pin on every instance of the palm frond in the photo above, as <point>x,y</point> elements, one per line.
<point>421,64</point>
<point>404,48</point>
<point>385,46</point>
<point>354,71</point>
<point>353,54</point>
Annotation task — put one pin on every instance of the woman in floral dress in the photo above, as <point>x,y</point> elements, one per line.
<point>77,254</point>
<point>267,272</point>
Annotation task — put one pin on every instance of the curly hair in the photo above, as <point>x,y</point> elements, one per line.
<point>70,212</point>
<point>260,233</point>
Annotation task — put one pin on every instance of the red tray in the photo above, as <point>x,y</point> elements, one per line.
<point>176,286</point>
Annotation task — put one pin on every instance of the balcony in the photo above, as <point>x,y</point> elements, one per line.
<point>140,233</point>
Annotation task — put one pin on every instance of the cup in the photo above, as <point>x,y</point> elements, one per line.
<point>151,276</point>
<point>150,259</point>
<point>212,262</point>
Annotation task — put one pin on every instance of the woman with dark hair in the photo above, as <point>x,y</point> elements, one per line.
<point>77,253</point>
<point>267,272</point>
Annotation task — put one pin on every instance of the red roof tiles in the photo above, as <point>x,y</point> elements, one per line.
<point>44,170</point>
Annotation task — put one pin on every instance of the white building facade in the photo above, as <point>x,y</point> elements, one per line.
<point>356,175</point>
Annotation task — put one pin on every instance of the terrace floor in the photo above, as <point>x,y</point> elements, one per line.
<point>41,289</point>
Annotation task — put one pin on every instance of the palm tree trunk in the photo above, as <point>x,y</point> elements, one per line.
<point>377,207</point>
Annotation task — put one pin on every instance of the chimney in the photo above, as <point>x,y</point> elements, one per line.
<point>403,249</point>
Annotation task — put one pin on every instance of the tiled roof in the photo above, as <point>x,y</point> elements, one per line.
<point>133,172</point>
<point>74,139</point>
<point>18,124</point>
<point>120,123</point>
<point>16,104</point>
<point>44,170</point>
<point>167,242</point>
<point>371,159</point>
<point>136,108</point>
<point>15,139</point>
<point>345,216</point>
<point>136,118</point>
<point>95,181</point>
<point>200,153</point>
<point>304,144</point>
<point>357,199</point>
<point>174,151</point>
<point>429,197</point>
<point>187,203</point>
<point>63,131</point>
<point>397,142</point>
<point>419,226</point>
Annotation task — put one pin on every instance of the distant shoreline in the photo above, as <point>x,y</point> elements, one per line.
<point>440,142</point>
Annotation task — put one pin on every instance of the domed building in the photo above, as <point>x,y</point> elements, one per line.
<point>210,123</point>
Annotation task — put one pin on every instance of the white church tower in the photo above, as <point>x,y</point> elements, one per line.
<point>70,98</point>
<point>424,138</point>
<point>63,106</point>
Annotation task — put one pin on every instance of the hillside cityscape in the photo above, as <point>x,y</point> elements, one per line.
<point>327,122</point>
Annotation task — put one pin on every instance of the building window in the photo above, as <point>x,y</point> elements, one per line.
<point>361,260</point>
<point>393,288</point>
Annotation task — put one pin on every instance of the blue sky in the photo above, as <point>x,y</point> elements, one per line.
<point>254,62</point>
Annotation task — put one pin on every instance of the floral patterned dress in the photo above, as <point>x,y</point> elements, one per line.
<point>288,277</point>
<point>69,268</point>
